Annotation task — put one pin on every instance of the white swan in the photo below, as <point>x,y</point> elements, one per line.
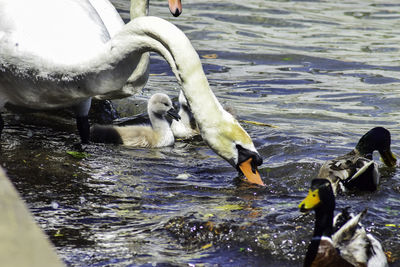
<point>114,23</point>
<point>45,28</point>
<point>157,134</point>
<point>40,71</point>
<point>186,127</point>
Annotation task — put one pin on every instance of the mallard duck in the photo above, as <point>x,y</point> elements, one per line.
<point>82,59</point>
<point>157,134</point>
<point>186,127</point>
<point>343,243</point>
<point>356,169</point>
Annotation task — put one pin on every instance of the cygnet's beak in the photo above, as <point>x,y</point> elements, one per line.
<point>175,6</point>
<point>174,114</point>
<point>247,164</point>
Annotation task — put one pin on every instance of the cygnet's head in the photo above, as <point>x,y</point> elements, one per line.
<point>160,105</point>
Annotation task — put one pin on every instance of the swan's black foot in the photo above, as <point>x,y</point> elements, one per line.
<point>82,123</point>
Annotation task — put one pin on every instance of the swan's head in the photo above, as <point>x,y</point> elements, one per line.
<point>230,141</point>
<point>161,105</point>
<point>175,6</point>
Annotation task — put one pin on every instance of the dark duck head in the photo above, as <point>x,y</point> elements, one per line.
<point>378,139</point>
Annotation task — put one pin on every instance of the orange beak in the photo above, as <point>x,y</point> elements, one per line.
<point>175,6</point>
<point>252,177</point>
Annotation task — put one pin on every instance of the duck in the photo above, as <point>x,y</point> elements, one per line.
<point>357,170</point>
<point>186,127</point>
<point>157,134</point>
<point>339,240</point>
<point>57,54</point>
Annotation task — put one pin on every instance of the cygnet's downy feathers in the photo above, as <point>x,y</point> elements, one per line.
<point>186,127</point>
<point>157,134</point>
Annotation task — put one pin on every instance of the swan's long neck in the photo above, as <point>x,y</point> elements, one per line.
<point>154,34</point>
<point>139,77</point>
<point>139,8</point>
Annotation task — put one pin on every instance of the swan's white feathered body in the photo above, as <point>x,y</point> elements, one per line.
<point>56,36</point>
<point>57,53</point>
<point>59,50</point>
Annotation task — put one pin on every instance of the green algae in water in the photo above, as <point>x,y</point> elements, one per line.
<point>78,155</point>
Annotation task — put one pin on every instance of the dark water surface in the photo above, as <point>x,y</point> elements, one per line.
<point>323,72</point>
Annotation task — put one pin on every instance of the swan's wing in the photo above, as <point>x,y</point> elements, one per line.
<point>109,15</point>
<point>59,31</point>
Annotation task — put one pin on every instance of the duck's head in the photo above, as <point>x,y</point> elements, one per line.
<point>320,197</point>
<point>378,139</point>
<point>175,6</point>
<point>161,105</point>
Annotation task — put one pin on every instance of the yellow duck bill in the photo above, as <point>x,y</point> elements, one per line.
<point>311,200</point>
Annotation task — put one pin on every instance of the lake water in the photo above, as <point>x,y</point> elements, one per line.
<point>322,72</point>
